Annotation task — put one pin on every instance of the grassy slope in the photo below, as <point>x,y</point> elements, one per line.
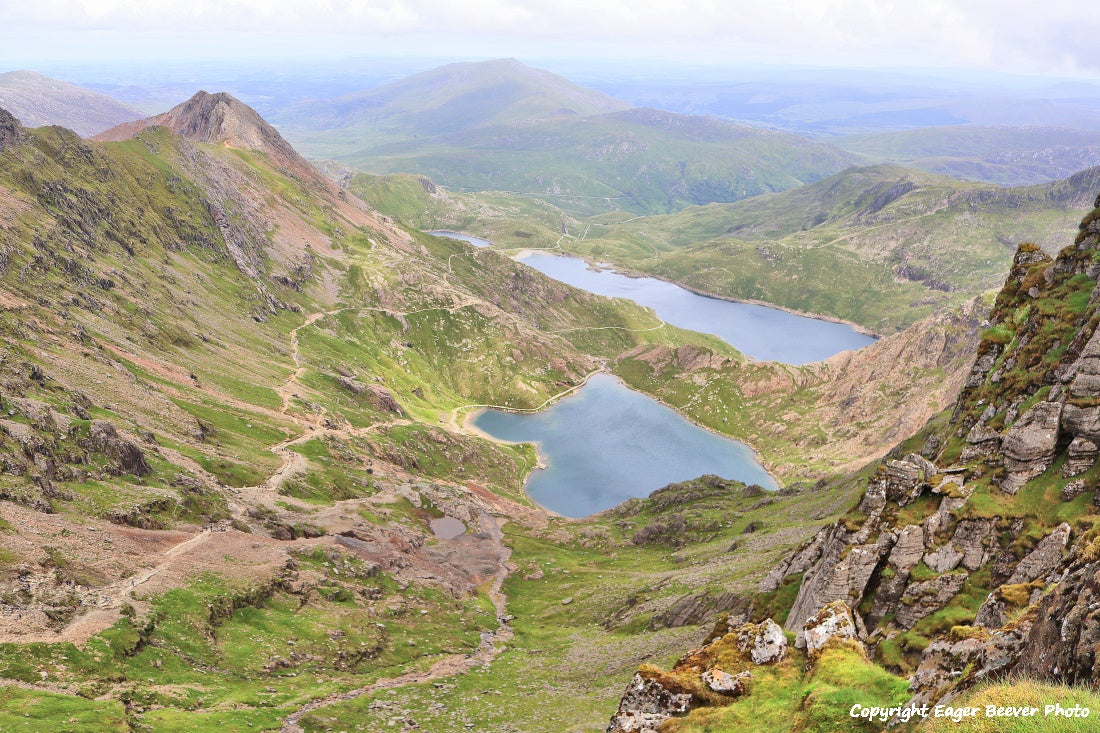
<point>882,246</point>
<point>640,161</point>
<point>1009,156</point>
<point>180,344</point>
<point>501,125</point>
<point>566,666</point>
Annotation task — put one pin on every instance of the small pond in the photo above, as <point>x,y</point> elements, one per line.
<point>607,443</point>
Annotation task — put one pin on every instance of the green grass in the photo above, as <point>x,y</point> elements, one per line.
<point>1022,693</point>
<point>784,696</point>
<point>35,711</point>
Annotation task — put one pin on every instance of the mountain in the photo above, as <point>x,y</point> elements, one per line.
<point>216,119</point>
<point>38,100</point>
<point>231,401</point>
<point>883,246</point>
<point>1008,156</point>
<point>964,575</point>
<point>503,126</point>
<point>209,350</point>
<point>452,99</point>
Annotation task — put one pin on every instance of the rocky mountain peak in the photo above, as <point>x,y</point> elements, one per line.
<point>11,131</point>
<point>218,118</point>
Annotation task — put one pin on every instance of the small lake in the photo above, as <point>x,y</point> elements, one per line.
<point>607,443</point>
<point>760,332</point>
<point>763,333</point>
<point>476,241</point>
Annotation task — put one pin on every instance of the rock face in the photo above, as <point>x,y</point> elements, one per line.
<point>764,643</point>
<point>645,705</point>
<point>1080,456</point>
<point>11,132</point>
<point>1081,418</point>
<point>925,598</point>
<point>834,621</point>
<point>697,608</point>
<point>982,441</point>
<point>1029,445</point>
<point>1063,639</point>
<point>968,547</point>
<point>979,657</point>
<point>128,456</point>
<point>727,684</point>
<point>1043,560</point>
<point>904,479</point>
<point>799,562</point>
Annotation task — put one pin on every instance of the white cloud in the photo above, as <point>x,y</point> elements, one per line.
<point>1049,36</point>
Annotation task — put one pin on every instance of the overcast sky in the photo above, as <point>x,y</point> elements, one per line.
<point>1023,36</point>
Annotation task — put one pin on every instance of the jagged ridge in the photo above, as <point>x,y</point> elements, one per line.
<point>978,555</point>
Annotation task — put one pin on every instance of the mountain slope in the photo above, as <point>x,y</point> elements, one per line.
<point>504,126</point>
<point>1009,156</point>
<point>230,416</point>
<point>451,99</point>
<point>229,393</point>
<point>969,561</point>
<point>38,100</point>
<point>882,246</point>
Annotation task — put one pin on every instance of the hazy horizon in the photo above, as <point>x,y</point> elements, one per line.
<point>943,37</point>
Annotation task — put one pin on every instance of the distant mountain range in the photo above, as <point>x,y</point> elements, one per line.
<point>505,126</point>
<point>1010,156</point>
<point>37,100</point>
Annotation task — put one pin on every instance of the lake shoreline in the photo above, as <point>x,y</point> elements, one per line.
<point>522,252</point>
<point>467,424</point>
<point>639,275</point>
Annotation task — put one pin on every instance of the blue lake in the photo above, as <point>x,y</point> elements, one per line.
<point>476,241</point>
<point>607,443</point>
<point>763,333</point>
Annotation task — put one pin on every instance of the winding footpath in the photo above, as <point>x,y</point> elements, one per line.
<point>84,627</point>
<point>492,643</point>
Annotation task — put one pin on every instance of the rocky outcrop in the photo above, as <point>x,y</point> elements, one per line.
<point>1080,456</point>
<point>956,662</point>
<point>128,458</point>
<point>645,705</point>
<point>970,547</point>
<point>982,442</point>
<point>1044,559</point>
<point>1082,419</point>
<point>1029,445</point>
<point>727,684</point>
<point>764,643</point>
<point>215,119</point>
<point>379,397</point>
<point>1064,638</point>
<point>697,608</point>
<point>799,562</point>
<point>11,132</point>
<point>904,480</point>
<point>834,621</point>
<point>906,553</point>
<point>847,562</point>
<point>925,598</point>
